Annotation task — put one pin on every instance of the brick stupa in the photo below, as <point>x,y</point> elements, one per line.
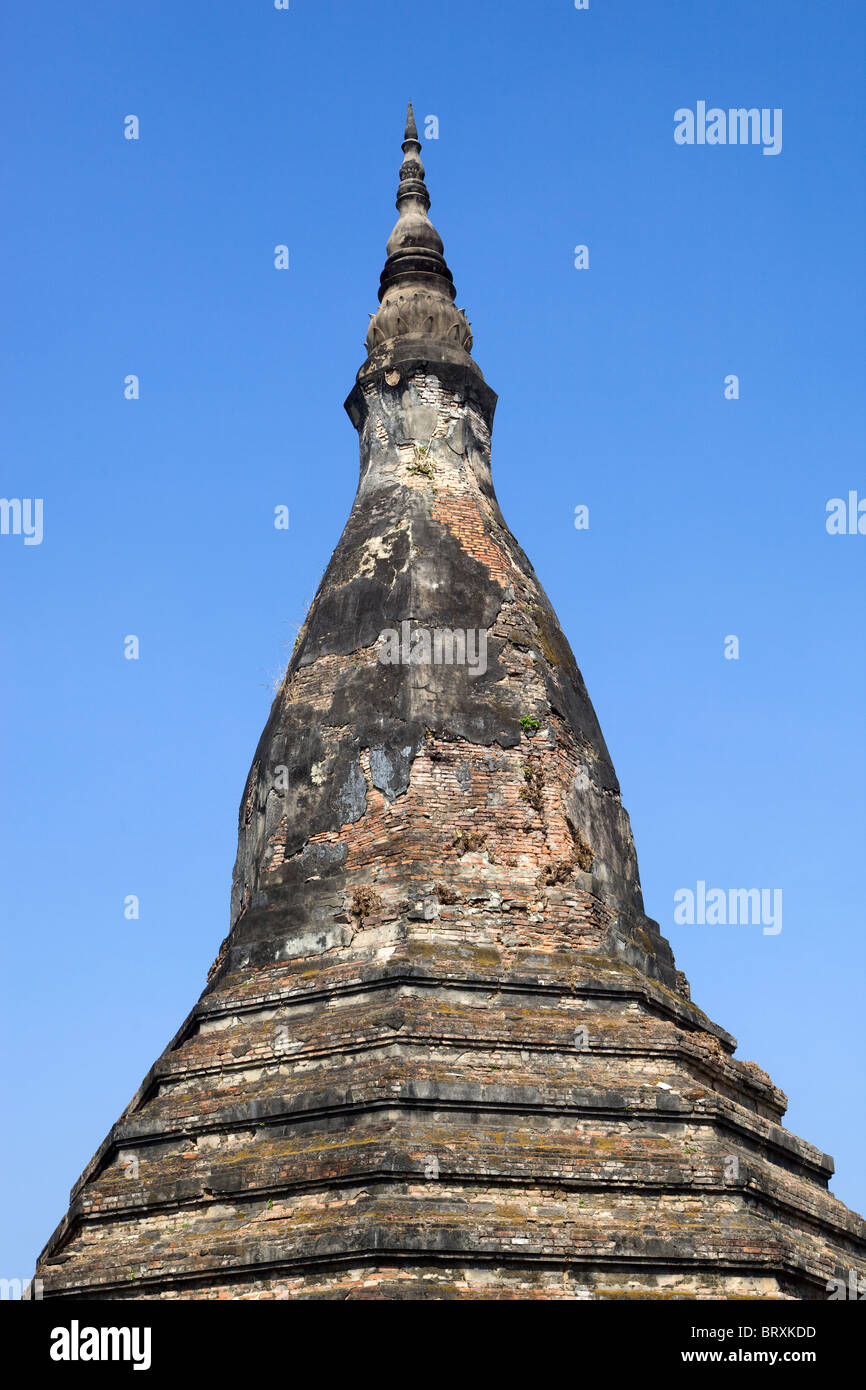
<point>443,1052</point>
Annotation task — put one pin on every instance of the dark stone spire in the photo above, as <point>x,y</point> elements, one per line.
<point>443,1051</point>
<point>416,288</point>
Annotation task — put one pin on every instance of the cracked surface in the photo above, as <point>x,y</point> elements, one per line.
<point>443,1053</point>
<point>386,762</point>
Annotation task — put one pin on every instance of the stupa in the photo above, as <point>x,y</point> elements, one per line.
<point>443,1052</point>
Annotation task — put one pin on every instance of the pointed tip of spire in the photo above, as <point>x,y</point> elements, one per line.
<point>416,288</point>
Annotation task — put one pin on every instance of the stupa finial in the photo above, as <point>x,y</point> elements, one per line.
<point>416,288</point>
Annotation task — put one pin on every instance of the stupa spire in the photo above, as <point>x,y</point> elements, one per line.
<point>412,185</point>
<point>443,1052</point>
<point>416,287</point>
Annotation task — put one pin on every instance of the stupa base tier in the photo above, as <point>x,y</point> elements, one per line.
<point>481,1124</point>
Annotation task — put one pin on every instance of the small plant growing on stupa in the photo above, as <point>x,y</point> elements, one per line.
<point>533,792</point>
<point>444,894</point>
<point>466,840</point>
<point>364,901</point>
<point>583,855</point>
<point>422,466</point>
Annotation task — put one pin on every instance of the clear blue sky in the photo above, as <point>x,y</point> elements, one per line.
<point>707,516</point>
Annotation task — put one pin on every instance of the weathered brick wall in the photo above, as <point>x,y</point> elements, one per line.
<point>443,1052</point>
<point>404,761</point>
<point>441,1116</point>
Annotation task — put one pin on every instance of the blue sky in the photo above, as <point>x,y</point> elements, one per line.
<point>707,515</point>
